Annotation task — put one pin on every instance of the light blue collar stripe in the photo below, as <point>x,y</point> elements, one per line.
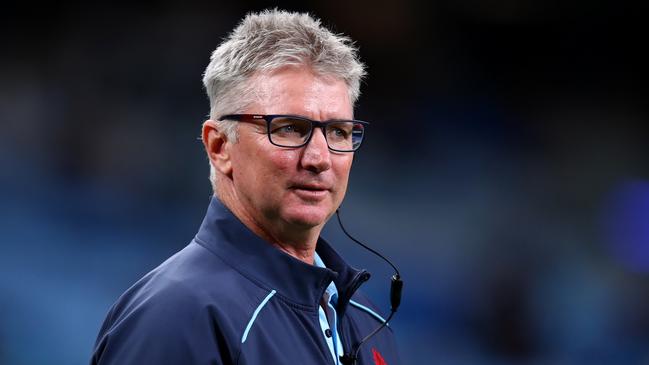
<point>324,325</point>
<point>373,313</point>
<point>317,260</point>
<point>254,315</point>
<point>335,338</point>
<point>334,343</point>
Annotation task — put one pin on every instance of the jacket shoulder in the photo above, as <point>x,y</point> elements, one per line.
<point>190,309</point>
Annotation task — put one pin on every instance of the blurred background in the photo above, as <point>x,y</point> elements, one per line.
<point>506,170</point>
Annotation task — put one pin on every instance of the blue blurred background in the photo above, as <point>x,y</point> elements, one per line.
<point>506,170</point>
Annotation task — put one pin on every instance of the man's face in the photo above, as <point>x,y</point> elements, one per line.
<point>291,187</point>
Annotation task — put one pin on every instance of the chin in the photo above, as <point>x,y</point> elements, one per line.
<point>307,217</point>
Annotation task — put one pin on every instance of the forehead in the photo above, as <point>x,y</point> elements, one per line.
<point>300,91</point>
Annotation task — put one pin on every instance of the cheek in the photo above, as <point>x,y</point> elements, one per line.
<point>266,173</point>
<point>342,168</point>
<point>282,162</point>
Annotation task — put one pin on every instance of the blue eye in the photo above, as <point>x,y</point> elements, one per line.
<point>286,129</point>
<point>290,127</point>
<point>340,131</point>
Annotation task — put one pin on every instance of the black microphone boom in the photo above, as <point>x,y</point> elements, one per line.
<point>396,287</point>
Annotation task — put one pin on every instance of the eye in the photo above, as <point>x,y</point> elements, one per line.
<point>339,130</point>
<point>285,129</point>
<point>340,133</point>
<point>287,126</point>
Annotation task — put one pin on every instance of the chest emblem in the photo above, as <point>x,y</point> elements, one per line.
<point>378,359</point>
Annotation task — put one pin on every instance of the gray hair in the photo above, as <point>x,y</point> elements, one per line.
<point>267,41</point>
<point>270,40</point>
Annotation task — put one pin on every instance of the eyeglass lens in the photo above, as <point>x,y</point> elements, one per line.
<point>293,132</point>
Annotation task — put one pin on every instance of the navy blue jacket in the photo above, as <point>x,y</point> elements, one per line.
<point>229,297</point>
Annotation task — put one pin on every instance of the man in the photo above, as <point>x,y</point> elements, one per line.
<point>258,285</point>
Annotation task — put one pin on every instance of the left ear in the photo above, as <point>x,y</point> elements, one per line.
<point>217,147</point>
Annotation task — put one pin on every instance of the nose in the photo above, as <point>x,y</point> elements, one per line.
<point>316,156</point>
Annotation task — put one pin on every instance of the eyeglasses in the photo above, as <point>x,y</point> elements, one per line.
<point>294,131</point>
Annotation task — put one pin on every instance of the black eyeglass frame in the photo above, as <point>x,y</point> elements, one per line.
<point>314,124</point>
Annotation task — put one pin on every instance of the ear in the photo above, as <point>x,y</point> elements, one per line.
<point>217,147</point>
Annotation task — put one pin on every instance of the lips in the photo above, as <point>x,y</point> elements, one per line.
<point>311,191</point>
<point>311,187</point>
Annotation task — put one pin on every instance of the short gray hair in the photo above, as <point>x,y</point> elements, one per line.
<point>270,40</point>
<point>267,41</point>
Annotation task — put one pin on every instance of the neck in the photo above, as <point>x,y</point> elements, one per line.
<point>305,254</point>
<point>297,241</point>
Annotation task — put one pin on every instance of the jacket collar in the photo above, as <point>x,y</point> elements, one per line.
<point>227,237</point>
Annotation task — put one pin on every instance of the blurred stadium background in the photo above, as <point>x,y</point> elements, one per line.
<point>506,170</point>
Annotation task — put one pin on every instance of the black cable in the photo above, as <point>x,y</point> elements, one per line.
<point>366,247</point>
<point>396,287</point>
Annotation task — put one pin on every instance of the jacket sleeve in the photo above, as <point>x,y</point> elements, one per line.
<point>173,327</point>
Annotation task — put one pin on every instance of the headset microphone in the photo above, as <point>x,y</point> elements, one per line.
<point>396,287</point>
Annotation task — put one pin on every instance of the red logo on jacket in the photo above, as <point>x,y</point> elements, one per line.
<point>378,359</point>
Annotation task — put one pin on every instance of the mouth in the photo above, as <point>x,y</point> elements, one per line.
<point>311,191</point>
<point>310,187</point>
